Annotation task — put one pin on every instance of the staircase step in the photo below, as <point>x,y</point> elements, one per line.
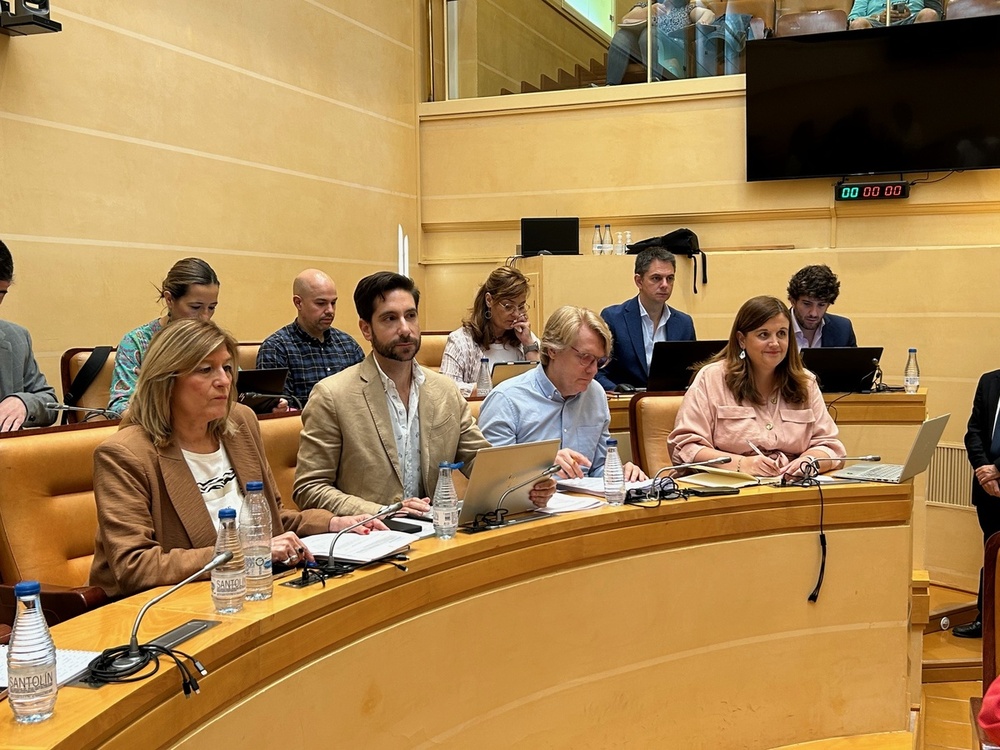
<point>951,659</point>
<point>958,606</point>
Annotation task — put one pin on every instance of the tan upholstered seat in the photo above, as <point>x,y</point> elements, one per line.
<point>281,445</point>
<point>98,393</point>
<point>432,345</point>
<point>248,355</point>
<point>651,419</point>
<point>971,8</point>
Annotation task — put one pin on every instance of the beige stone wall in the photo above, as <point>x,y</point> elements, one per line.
<point>262,137</point>
<point>920,272</point>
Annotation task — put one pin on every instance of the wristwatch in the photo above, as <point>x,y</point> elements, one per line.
<point>532,348</point>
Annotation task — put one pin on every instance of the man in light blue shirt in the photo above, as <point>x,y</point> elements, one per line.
<point>560,399</point>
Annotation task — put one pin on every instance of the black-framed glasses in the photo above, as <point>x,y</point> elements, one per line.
<point>587,359</point>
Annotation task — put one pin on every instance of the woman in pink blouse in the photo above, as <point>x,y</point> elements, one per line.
<point>755,403</point>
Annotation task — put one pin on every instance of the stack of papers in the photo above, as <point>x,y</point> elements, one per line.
<point>560,503</point>
<point>70,664</point>
<point>710,476</point>
<point>359,548</point>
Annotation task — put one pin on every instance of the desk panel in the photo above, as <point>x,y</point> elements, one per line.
<point>683,626</point>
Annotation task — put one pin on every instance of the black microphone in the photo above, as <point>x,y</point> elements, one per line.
<point>257,394</point>
<point>134,656</point>
<point>389,510</point>
<point>85,409</point>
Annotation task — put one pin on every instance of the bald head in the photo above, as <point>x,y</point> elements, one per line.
<point>315,297</point>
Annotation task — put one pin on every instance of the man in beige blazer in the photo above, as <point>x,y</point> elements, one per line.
<point>375,433</point>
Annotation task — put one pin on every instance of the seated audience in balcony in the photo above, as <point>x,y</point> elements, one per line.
<point>755,403</point>
<point>866,14</point>
<point>667,18</point>
<point>497,328</point>
<point>185,450</point>
<point>190,290</point>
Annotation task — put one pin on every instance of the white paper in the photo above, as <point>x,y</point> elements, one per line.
<point>359,548</point>
<point>70,664</point>
<point>561,503</point>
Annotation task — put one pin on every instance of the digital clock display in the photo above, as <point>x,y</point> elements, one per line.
<point>872,191</point>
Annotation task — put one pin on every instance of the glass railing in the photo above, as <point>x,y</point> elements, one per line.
<point>502,47</point>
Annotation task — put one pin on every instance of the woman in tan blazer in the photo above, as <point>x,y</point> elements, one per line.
<point>184,451</point>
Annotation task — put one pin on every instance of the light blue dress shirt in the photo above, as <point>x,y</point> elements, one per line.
<point>528,408</point>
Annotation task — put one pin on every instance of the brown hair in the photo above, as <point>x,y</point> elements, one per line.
<point>792,378</point>
<point>503,284</point>
<point>177,350</point>
<point>185,273</point>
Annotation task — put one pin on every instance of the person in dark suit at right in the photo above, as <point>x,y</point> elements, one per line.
<point>811,291</point>
<point>982,442</point>
<point>638,323</point>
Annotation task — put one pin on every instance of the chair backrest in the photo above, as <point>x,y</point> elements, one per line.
<point>281,446</point>
<point>811,22</point>
<point>651,419</point>
<point>248,354</point>
<point>432,349</point>
<point>971,8</point>
<point>98,393</point>
<point>48,517</point>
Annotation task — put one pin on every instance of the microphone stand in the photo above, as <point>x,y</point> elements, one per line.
<point>694,465</point>
<point>389,510</point>
<point>89,411</point>
<point>120,663</point>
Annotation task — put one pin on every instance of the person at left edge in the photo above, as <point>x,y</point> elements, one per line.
<point>638,323</point>
<point>560,399</point>
<point>23,389</point>
<point>375,433</point>
<point>185,450</point>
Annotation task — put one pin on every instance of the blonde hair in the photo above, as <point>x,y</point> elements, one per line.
<point>563,326</point>
<point>177,350</point>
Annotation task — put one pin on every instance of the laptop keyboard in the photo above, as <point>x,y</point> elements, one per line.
<point>881,473</point>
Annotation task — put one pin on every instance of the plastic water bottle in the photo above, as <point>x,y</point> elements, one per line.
<point>255,536</point>
<point>911,375</point>
<point>609,241</point>
<point>619,244</point>
<point>484,383</point>
<point>597,244</point>
<point>628,239</point>
<point>614,475</point>
<point>229,580</point>
<point>445,505</point>
<point>31,659</point>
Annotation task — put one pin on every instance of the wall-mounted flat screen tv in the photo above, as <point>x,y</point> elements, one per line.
<point>918,98</point>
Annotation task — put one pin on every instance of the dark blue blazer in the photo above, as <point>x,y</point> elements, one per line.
<point>838,331</point>
<point>628,357</point>
<point>979,435</point>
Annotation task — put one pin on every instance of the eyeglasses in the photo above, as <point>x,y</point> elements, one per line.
<point>588,359</point>
<point>511,307</point>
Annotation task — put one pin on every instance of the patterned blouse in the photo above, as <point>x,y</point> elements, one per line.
<point>462,355</point>
<point>128,359</point>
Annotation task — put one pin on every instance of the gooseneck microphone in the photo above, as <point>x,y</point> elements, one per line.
<point>258,394</point>
<point>89,411</point>
<point>389,510</point>
<point>694,465</point>
<point>543,475</point>
<point>121,663</point>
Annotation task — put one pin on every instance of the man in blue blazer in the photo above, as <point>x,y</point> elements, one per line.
<point>646,318</point>
<point>811,291</point>
<point>982,443</point>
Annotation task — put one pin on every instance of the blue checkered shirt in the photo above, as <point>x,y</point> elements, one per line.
<point>308,360</point>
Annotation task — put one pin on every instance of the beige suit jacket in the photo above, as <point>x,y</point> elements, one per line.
<point>347,459</point>
<point>153,526</point>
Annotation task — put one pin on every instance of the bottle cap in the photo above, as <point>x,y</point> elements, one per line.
<point>484,359</point>
<point>27,588</point>
<point>913,350</point>
<point>227,513</point>
<point>612,441</point>
<point>456,465</point>
<point>255,486</point>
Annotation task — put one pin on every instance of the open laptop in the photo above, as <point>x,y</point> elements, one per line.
<point>505,370</point>
<point>498,469</point>
<point>843,369</point>
<point>254,388</point>
<point>917,462</point>
<point>670,367</point>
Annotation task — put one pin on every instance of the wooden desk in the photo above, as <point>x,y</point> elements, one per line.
<point>683,626</point>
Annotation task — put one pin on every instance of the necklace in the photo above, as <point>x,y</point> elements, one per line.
<point>769,425</point>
